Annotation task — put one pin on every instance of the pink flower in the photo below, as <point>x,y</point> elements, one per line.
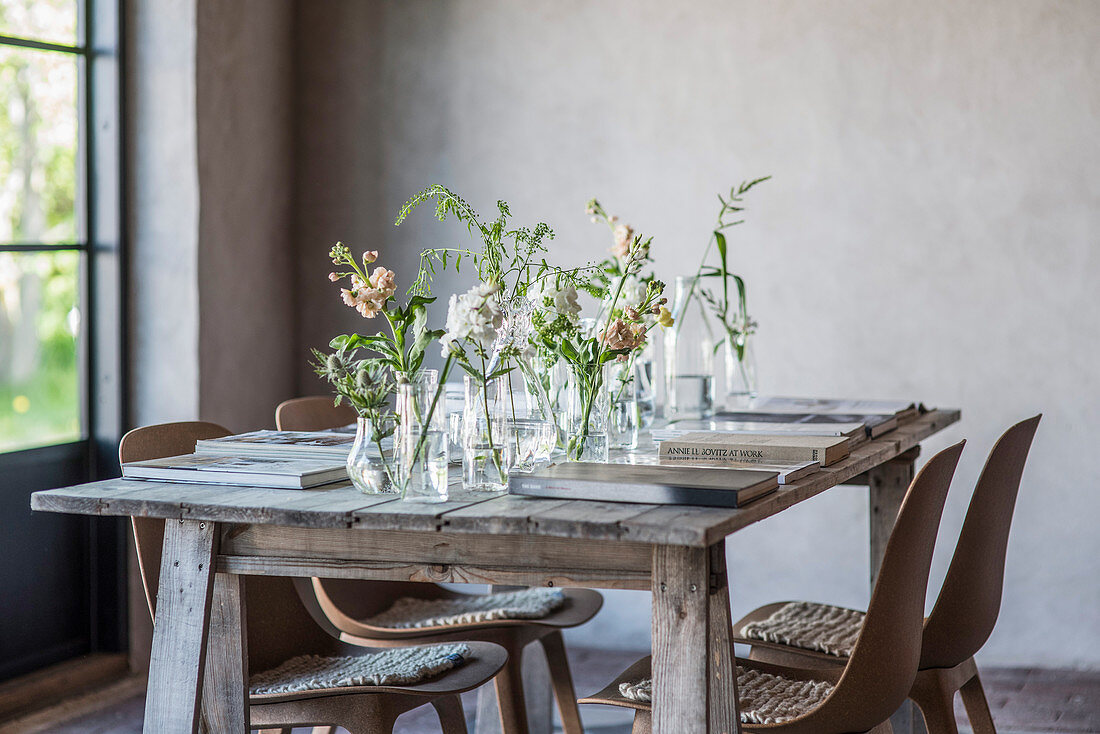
<point>333,277</point>
<point>384,281</point>
<point>619,336</point>
<point>624,235</point>
<point>370,256</point>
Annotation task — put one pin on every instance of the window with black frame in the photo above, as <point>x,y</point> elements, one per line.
<point>60,323</point>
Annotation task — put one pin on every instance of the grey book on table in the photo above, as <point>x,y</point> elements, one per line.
<point>646,484</point>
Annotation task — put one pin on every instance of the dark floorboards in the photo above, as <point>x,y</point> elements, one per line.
<point>1024,701</point>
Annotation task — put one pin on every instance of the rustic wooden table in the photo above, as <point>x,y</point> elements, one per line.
<point>219,533</point>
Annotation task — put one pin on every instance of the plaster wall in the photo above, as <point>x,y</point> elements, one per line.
<point>931,231</point>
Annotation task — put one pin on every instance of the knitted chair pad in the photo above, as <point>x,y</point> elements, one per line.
<point>409,613</point>
<point>810,626</point>
<point>762,698</point>
<point>400,666</point>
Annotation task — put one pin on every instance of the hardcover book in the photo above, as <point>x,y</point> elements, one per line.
<point>309,445</point>
<point>855,431</point>
<point>661,485</point>
<point>241,471</point>
<point>722,449</point>
<point>874,424</point>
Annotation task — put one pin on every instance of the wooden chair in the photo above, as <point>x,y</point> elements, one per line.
<point>279,628</point>
<point>312,413</point>
<point>341,605</point>
<point>965,611</point>
<point>882,667</point>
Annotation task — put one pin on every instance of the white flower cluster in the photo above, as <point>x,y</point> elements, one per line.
<point>474,316</point>
<point>563,299</point>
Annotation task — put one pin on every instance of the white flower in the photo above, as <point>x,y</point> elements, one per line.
<point>474,316</point>
<point>563,300</point>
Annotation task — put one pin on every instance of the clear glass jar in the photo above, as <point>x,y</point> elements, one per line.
<point>623,416</point>
<point>587,411</point>
<point>689,356</point>
<point>645,389</point>
<point>483,462</point>
<point>420,446</point>
<point>368,468</point>
<point>530,430</point>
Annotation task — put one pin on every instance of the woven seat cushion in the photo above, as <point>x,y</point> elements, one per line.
<point>408,613</point>
<point>810,626</point>
<point>397,667</point>
<point>762,698</point>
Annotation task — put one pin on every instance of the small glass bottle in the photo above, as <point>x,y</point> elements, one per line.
<point>621,383</point>
<point>368,469</point>
<point>484,467</point>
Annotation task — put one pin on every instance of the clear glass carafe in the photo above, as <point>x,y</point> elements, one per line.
<point>368,466</point>
<point>689,356</point>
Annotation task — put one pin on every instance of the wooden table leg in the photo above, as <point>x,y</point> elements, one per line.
<point>888,483</point>
<point>694,690</point>
<point>179,634</point>
<point>224,691</point>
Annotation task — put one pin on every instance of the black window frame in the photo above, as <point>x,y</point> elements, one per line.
<point>101,343</point>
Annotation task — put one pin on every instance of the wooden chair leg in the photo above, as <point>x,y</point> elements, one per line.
<point>937,705</point>
<point>642,723</point>
<point>562,680</point>
<point>452,719</point>
<point>510,700</point>
<point>977,708</point>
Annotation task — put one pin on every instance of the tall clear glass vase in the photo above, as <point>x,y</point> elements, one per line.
<point>690,345</point>
<point>623,417</point>
<point>484,467</point>
<point>587,411</point>
<point>420,446</point>
<point>530,426</point>
<point>740,364</point>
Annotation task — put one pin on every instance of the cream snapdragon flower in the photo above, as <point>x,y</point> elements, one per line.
<point>473,316</point>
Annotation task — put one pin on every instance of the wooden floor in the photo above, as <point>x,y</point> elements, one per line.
<point>1023,701</point>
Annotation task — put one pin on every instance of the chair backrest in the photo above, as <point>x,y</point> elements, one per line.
<point>966,611</point>
<point>278,626</point>
<point>883,663</point>
<point>157,442</point>
<point>313,413</point>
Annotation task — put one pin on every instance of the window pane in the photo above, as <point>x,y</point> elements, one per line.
<point>42,20</point>
<point>38,146</point>
<point>39,364</point>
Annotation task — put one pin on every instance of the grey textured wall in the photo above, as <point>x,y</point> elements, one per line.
<point>246,259</point>
<point>931,231</point>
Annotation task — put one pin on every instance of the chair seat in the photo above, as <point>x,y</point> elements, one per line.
<point>762,697</point>
<point>819,628</point>
<point>409,613</point>
<point>429,670</point>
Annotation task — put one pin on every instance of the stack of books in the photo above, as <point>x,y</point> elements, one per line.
<point>271,459</point>
<point>731,459</point>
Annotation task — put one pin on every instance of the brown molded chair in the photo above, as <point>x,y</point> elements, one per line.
<point>341,605</point>
<point>883,665</point>
<point>279,628</point>
<point>313,413</point>
<point>965,611</point>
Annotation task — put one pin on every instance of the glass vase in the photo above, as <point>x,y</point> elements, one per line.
<point>483,463</point>
<point>645,389</point>
<point>740,359</point>
<point>420,445</point>
<point>689,356</point>
<point>623,416</point>
<point>368,468</point>
<point>587,410</point>
<point>530,428</point>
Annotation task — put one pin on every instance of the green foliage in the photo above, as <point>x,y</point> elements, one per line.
<point>514,258</point>
<point>733,317</point>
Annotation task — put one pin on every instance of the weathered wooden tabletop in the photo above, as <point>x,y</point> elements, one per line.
<point>342,506</point>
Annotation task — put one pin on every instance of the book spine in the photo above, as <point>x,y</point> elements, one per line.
<point>687,453</point>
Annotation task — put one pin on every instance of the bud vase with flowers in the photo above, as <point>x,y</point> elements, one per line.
<point>368,383</point>
<point>619,330</point>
